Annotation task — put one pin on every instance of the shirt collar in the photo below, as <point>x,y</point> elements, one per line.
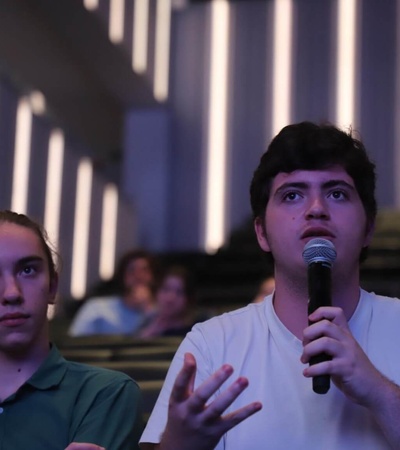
<point>50,372</point>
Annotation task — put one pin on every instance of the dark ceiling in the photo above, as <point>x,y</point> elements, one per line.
<point>63,50</point>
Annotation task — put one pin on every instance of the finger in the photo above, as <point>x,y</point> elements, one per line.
<point>225,399</point>
<point>191,360</point>
<point>234,418</point>
<point>320,329</point>
<point>323,368</point>
<point>315,348</point>
<point>331,347</point>
<point>184,380</point>
<point>203,393</point>
<point>331,313</point>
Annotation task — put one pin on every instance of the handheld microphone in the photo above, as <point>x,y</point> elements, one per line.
<point>319,254</point>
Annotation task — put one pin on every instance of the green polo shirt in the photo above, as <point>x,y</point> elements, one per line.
<point>66,402</point>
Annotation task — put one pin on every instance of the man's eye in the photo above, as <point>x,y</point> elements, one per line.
<point>28,270</point>
<point>339,195</point>
<point>290,196</point>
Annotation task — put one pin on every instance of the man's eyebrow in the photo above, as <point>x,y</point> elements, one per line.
<point>30,259</point>
<point>336,183</point>
<point>291,185</point>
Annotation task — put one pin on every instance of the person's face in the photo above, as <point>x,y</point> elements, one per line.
<point>138,271</point>
<point>139,297</point>
<point>307,204</point>
<point>25,289</point>
<point>171,297</point>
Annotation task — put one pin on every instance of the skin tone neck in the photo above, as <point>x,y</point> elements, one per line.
<point>290,299</point>
<point>16,369</point>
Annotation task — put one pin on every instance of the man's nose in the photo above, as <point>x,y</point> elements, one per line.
<point>317,208</point>
<point>11,290</point>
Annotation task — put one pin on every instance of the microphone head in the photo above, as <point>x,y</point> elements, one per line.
<point>319,250</point>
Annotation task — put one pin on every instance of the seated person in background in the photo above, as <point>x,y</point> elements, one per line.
<point>265,288</point>
<point>128,310</point>
<point>175,301</point>
<point>47,402</point>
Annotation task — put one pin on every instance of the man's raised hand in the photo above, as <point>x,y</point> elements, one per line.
<point>194,424</point>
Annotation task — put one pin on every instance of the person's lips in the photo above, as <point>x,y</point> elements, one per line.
<point>13,319</point>
<point>314,232</point>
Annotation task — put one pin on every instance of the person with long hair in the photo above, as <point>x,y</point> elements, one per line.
<point>47,402</point>
<point>175,305</point>
<point>126,310</point>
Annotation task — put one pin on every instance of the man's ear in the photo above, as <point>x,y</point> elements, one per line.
<point>53,289</point>
<point>261,234</point>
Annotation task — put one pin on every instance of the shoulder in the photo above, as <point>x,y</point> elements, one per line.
<point>381,333</point>
<point>87,376</point>
<point>380,312</point>
<point>381,303</point>
<point>95,385</point>
<point>87,371</point>
<point>230,337</point>
<point>237,326</point>
<point>254,312</point>
<point>99,305</point>
<point>102,301</point>
<point>104,406</point>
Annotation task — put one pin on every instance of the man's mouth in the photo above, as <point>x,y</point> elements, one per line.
<point>13,319</point>
<point>317,232</point>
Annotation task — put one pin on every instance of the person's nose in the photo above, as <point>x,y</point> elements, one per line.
<point>317,208</point>
<point>11,291</point>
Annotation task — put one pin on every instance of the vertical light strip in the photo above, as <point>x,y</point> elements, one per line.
<point>108,231</point>
<point>140,35</point>
<point>116,21</point>
<point>91,5</point>
<point>81,228</point>
<point>216,144</point>
<point>38,103</point>
<point>282,56</point>
<point>22,155</point>
<point>54,185</point>
<point>346,38</point>
<point>161,65</point>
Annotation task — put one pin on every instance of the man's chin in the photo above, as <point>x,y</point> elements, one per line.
<point>15,344</point>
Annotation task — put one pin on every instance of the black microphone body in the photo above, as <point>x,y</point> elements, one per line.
<point>319,254</point>
<point>319,291</point>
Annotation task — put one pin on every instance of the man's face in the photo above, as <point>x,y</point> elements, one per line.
<point>171,297</point>
<point>137,272</point>
<point>25,289</point>
<point>305,204</point>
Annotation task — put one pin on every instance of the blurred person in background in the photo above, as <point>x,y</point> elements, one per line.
<point>47,402</point>
<point>124,312</point>
<point>175,305</point>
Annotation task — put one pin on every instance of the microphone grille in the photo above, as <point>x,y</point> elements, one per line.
<point>319,250</point>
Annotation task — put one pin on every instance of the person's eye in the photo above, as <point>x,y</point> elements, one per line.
<point>28,270</point>
<point>339,195</point>
<point>290,196</point>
